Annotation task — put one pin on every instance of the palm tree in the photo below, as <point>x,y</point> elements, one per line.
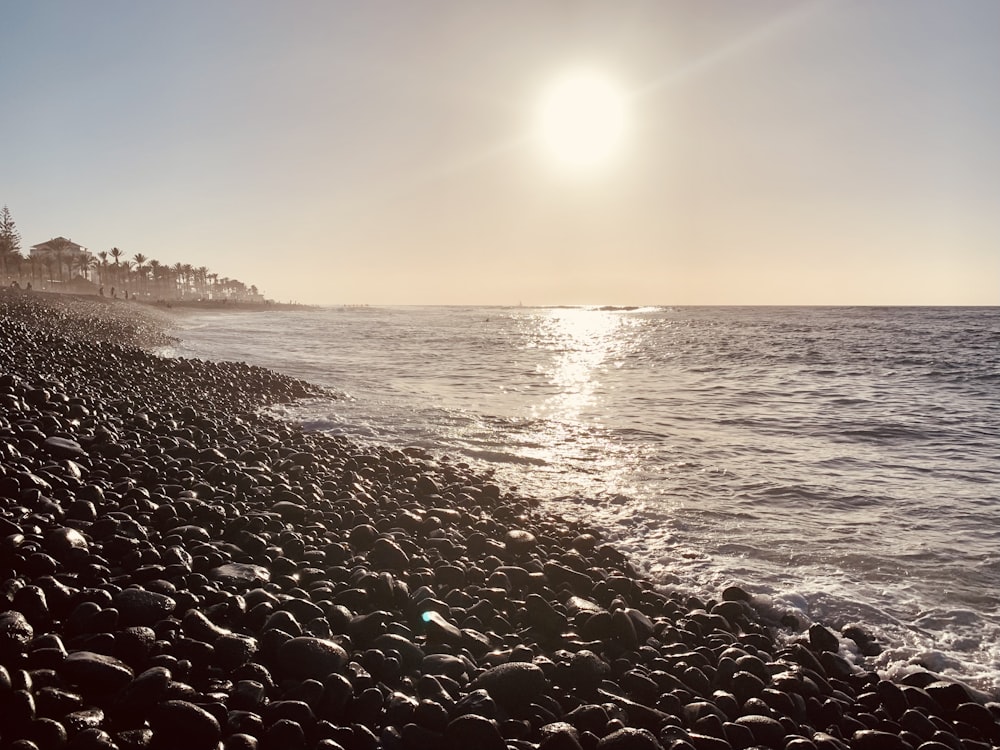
<point>103,255</point>
<point>189,278</point>
<point>33,263</point>
<point>178,270</point>
<point>140,268</point>
<point>201,274</point>
<point>127,268</point>
<point>117,254</point>
<point>85,261</point>
<point>156,269</point>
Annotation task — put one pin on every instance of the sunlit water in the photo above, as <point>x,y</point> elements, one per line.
<point>844,462</point>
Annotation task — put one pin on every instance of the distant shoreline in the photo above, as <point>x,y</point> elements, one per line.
<point>169,305</point>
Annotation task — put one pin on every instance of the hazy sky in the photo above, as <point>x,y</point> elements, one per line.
<point>829,152</point>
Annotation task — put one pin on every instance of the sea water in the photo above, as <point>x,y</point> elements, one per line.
<point>843,464</point>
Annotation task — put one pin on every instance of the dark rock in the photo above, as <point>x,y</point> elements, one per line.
<point>15,632</point>
<point>870,739</point>
<point>586,670</point>
<point>705,742</point>
<point>95,673</point>
<point>233,650</point>
<point>411,653</point>
<point>630,738</point>
<point>242,742</point>
<point>865,641</point>
<point>63,448</point>
<point>439,630</point>
<point>477,702</point>
<point>512,684</point>
<point>285,734</point>
<point>146,690</point>
<point>766,731</point>
<point>835,665</point>
<point>545,617</point>
<point>305,657</point>
<point>241,574</point>
<point>93,738</point>
<point>62,542</point>
<point>87,718</point>
<point>519,542</point>
<point>472,732</point>
<point>140,607</point>
<point>823,639</point>
<point>385,554</point>
<point>178,724</point>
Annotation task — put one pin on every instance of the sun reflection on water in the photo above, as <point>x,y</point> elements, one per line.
<point>567,435</point>
<point>584,341</point>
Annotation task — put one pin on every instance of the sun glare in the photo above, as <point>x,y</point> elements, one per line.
<point>582,119</point>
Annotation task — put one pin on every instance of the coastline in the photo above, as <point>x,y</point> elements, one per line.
<point>204,562</point>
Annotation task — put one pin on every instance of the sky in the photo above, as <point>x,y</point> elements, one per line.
<point>388,152</point>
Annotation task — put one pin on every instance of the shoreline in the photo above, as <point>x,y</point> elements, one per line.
<point>198,572</point>
<point>166,305</point>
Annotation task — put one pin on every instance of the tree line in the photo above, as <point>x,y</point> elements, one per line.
<point>110,271</point>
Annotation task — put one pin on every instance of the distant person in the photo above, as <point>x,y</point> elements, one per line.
<point>29,286</point>
<point>114,294</point>
<point>101,291</point>
<point>14,284</point>
<point>126,294</point>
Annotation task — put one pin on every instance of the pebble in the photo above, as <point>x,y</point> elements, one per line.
<point>241,574</point>
<point>94,672</point>
<point>512,684</point>
<point>630,738</point>
<point>306,657</point>
<point>181,724</point>
<point>472,732</point>
<point>140,607</point>
<point>15,632</point>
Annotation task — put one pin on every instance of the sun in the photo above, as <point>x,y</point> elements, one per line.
<point>581,119</point>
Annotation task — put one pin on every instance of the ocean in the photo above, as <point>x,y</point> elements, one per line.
<point>842,464</point>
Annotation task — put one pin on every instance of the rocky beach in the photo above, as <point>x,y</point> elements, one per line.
<point>181,570</point>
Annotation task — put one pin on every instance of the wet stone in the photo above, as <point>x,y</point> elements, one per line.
<point>443,664</point>
<point>385,554</point>
<point>545,617</point>
<point>512,684</point>
<point>63,448</point>
<point>15,632</point>
<point>62,542</point>
<point>411,653</point>
<point>305,657</point>
<point>141,607</point>
<point>93,738</point>
<point>472,731</point>
<point>87,718</point>
<point>439,630</point>
<point>519,541</point>
<point>146,689</point>
<point>233,650</point>
<point>243,574</point>
<point>587,670</point>
<point>177,723</point>
<point>870,739</point>
<point>94,672</point>
<point>765,730</point>
<point>630,738</point>
<point>823,639</point>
